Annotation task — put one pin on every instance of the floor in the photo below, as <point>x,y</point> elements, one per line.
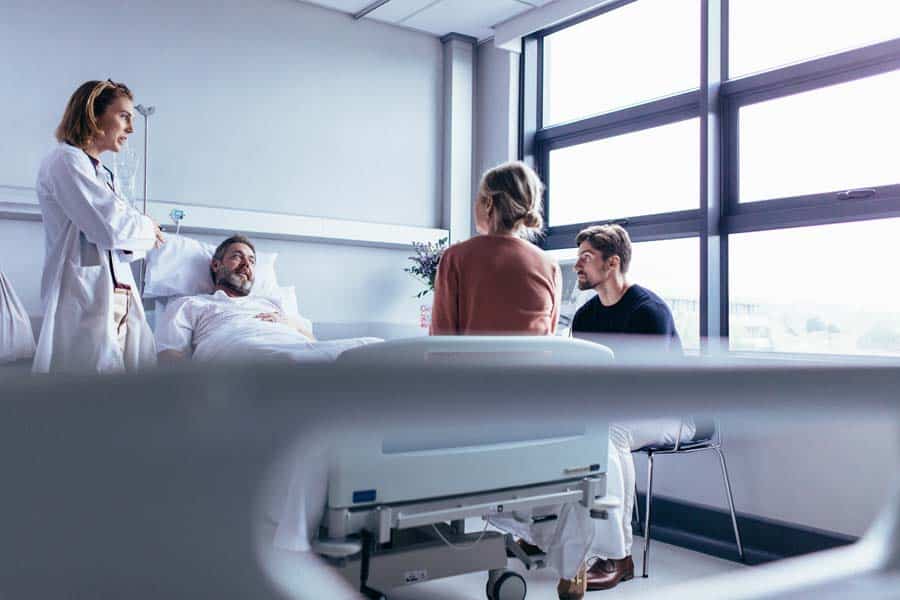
<point>669,565</point>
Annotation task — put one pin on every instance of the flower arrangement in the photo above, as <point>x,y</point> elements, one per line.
<point>425,262</point>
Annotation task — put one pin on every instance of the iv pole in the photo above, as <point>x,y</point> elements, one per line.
<point>146,112</point>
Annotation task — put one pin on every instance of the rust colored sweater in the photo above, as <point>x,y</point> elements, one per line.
<point>494,284</point>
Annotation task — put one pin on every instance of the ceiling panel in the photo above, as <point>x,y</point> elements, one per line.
<point>469,17</point>
<point>347,6</point>
<point>397,10</point>
<point>439,17</point>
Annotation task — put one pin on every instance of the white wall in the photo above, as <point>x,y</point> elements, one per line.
<point>823,474</point>
<point>269,105</point>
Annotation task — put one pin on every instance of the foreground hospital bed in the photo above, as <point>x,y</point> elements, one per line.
<point>114,489</point>
<point>397,505</point>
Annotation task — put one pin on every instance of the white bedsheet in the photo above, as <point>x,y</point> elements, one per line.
<point>279,345</point>
<point>216,327</point>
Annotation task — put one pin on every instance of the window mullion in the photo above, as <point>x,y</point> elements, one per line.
<point>713,244</point>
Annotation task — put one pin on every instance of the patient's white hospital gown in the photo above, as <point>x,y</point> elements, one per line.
<point>217,327</point>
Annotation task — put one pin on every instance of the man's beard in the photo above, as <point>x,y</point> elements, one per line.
<point>586,284</point>
<point>229,279</point>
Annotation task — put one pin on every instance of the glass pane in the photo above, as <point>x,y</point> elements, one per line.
<point>830,139</point>
<point>646,172</point>
<point>819,289</point>
<point>651,267</point>
<point>640,51</point>
<point>764,34</point>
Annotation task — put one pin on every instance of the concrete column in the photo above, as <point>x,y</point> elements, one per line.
<point>496,108</point>
<point>459,103</point>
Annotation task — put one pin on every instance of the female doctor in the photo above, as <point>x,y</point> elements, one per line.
<point>93,317</point>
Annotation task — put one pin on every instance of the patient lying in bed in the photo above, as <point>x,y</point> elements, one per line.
<point>231,323</point>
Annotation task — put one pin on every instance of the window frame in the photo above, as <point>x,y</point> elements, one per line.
<point>716,103</point>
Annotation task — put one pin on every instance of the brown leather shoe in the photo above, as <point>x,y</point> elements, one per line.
<point>573,589</point>
<point>606,574</point>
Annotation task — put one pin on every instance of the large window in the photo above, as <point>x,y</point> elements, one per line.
<point>590,68</point>
<point>828,139</point>
<point>821,289</point>
<point>771,33</point>
<point>608,176</point>
<point>749,150</point>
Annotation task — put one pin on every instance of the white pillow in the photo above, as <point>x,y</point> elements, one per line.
<point>16,335</point>
<point>181,268</point>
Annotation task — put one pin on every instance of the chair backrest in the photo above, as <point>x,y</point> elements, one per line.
<point>481,351</point>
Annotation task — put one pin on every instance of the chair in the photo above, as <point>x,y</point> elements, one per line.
<point>706,437</point>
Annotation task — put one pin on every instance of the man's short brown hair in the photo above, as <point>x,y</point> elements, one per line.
<point>609,240</point>
<point>222,248</point>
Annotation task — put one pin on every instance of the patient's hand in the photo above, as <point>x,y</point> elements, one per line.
<point>160,238</point>
<point>272,317</point>
<point>276,317</point>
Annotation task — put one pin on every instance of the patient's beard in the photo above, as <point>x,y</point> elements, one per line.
<point>228,279</point>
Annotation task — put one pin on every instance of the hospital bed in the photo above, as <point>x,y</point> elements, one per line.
<point>114,489</point>
<point>397,508</point>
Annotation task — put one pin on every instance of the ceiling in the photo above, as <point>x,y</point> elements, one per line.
<point>439,17</point>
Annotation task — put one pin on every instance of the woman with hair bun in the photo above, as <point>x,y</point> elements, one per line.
<point>93,317</point>
<point>498,282</point>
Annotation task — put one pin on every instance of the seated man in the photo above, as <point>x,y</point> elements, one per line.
<point>620,307</point>
<point>216,327</point>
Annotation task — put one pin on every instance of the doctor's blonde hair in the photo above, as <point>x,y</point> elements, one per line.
<point>87,104</point>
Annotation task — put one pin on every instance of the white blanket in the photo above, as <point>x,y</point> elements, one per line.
<point>216,327</point>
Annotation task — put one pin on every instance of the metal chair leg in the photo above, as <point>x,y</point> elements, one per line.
<point>647,511</point>
<point>737,534</point>
<point>637,511</point>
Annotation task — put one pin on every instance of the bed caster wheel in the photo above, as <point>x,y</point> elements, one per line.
<point>505,585</point>
<point>371,594</point>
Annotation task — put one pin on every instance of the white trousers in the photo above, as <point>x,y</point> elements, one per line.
<point>628,436</point>
<point>574,536</point>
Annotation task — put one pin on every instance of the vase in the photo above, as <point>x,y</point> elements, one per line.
<point>425,316</point>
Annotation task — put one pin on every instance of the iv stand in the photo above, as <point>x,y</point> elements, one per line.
<point>146,112</point>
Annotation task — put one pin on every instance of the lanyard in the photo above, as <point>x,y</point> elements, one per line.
<point>110,180</point>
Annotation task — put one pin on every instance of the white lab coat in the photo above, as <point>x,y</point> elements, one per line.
<point>88,228</point>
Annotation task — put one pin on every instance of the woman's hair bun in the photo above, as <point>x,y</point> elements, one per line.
<point>532,220</point>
